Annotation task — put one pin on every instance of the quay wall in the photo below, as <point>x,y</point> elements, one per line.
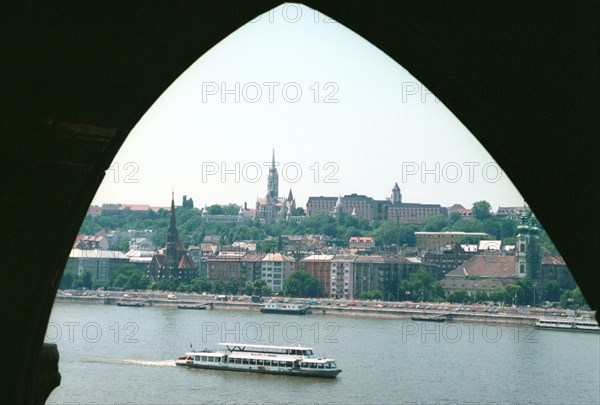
<point>392,313</point>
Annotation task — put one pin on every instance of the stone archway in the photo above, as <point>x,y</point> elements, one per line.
<point>78,77</point>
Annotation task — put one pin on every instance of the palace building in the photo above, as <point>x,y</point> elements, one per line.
<point>364,207</point>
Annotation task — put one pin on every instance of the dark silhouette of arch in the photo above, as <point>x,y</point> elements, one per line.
<point>76,77</point>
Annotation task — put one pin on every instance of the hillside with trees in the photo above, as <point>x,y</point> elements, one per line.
<point>192,228</point>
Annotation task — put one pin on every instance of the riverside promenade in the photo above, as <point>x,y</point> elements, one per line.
<point>373,309</point>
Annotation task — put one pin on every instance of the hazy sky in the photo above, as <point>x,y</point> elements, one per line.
<point>341,115</point>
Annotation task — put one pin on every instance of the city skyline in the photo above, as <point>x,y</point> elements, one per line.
<point>341,115</point>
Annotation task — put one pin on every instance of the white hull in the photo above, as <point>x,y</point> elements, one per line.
<point>569,325</point>
<point>266,370</point>
<point>284,360</point>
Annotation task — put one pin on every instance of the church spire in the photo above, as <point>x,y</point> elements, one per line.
<point>273,182</point>
<point>172,220</point>
<point>171,261</point>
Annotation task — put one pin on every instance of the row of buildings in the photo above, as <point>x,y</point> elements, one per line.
<point>364,207</point>
<point>486,265</point>
<point>273,207</point>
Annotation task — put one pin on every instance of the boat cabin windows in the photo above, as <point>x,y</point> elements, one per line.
<point>297,352</point>
<point>211,359</point>
<point>277,350</point>
<point>318,365</point>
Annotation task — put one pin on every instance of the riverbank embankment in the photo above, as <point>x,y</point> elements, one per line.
<point>465,314</point>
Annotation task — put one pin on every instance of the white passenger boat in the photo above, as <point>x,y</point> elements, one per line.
<point>288,360</point>
<point>579,324</point>
<point>279,308</point>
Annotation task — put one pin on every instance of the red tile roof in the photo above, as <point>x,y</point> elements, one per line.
<point>486,266</point>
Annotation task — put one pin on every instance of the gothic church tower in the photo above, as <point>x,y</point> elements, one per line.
<point>273,182</point>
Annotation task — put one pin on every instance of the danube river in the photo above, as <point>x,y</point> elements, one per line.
<point>119,355</point>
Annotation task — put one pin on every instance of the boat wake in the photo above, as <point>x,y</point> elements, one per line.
<point>133,362</point>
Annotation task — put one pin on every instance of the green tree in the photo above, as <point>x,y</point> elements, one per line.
<point>215,209</point>
<point>392,232</point>
<point>167,285</point>
<point>123,245</point>
<point>219,287</point>
<point>572,299</point>
<point>481,296</point>
<point>267,246</point>
<point>86,279</point>
<point>466,225</point>
<point>435,223</point>
<point>526,291</point>
<point>67,280</point>
<point>120,280</point>
<point>83,281</point>
<point>232,286</point>
<point>482,210</point>
<point>551,291</point>
<point>299,211</point>
<point>422,286</point>
<point>184,287</point>
<point>372,295</point>
<point>500,296</point>
<point>459,297</point>
<point>248,288</point>
<point>136,281</point>
<point>301,284</point>
<point>514,293</point>
<point>454,216</point>
<point>266,291</point>
<point>258,287</point>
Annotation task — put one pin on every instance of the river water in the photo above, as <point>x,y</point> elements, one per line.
<point>118,355</point>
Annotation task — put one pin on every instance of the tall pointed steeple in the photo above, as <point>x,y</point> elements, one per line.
<point>273,182</point>
<point>171,262</point>
<point>172,220</point>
